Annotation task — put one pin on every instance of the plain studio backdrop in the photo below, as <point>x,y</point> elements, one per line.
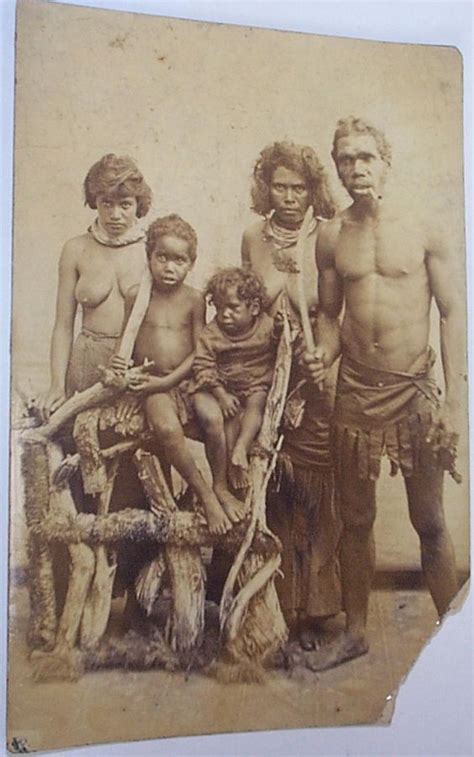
<point>194,105</point>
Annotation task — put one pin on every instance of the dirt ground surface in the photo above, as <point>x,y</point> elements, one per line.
<point>116,705</point>
<point>108,706</point>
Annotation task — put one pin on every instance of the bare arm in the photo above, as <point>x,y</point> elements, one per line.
<point>63,331</point>
<point>330,285</point>
<point>447,292</point>
<point>328,339</point>
<point>330,295</point>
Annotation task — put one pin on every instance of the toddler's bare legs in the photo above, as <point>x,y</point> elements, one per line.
<point>211,421</point>
<point>249,427</point>
<point>237,477</point>
<point>165,423</point>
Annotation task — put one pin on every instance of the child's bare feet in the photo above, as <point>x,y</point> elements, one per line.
<point>238,477</point>
<point>238,467</point>
<point>217,520</point>
<point>233,507</point>
<point>239,456</point>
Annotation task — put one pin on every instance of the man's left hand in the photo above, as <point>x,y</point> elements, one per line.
<point>443,433</point>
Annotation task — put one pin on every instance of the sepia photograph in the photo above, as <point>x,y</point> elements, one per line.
<point>239,442</point>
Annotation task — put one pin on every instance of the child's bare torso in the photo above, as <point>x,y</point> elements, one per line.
<point>166,335</point>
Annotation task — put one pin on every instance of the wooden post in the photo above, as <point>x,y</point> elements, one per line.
<point>99,598</point>
<point>43,620</point>
<point>63,661</point>
<point>185,625</point>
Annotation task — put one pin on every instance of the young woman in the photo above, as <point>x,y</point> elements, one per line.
<point>95,271</point>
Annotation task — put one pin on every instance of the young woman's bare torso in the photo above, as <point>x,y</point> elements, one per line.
<point>103,276</point>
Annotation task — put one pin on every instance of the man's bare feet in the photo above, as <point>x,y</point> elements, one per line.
<point>343,649</point>
<point>234,508</point>
<point>217,520</point>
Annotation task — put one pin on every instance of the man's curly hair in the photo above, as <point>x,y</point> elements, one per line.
<point>351,125</point>
<point>301,159</point>
<point>173,226</point>
<point>117,176</point>
<point>248,283</point>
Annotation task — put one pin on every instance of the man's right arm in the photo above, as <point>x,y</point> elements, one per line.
<point>330,286</point>
<point>330,294</point>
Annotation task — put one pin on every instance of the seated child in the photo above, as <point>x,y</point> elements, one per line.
<point>168,336</point>
<point>233,371</point>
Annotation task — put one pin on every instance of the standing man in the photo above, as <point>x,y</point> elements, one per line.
<point>385,266</point>
<point>288,178</point>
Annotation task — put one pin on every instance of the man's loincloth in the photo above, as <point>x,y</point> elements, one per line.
<point>381,412</point>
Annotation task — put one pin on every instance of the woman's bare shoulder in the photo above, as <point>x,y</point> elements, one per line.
<point>76,246</point>
<point>253,231</point>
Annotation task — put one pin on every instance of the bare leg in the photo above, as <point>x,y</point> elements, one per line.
<point>211,421</point>
<point>165,423</point>
<point>237,477</point>
<point>357,561</point>
<point>250,424</point>
<point>425,502</point>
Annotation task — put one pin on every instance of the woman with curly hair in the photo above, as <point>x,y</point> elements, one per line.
<point>288,178</point>
<point>95,271</point>
<point>233,370</point>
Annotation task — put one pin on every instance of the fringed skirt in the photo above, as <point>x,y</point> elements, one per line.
<point>302,510</point>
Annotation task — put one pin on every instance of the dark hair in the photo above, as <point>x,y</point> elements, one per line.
<point>117,176</point>
<point>173,226</point>
<point>249,285</point>
<point>299,158</point>
<point>351,125</point>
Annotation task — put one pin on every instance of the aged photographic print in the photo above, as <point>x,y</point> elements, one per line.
<point>239,445</point>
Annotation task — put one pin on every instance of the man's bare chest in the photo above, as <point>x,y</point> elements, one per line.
<point>391,251</point>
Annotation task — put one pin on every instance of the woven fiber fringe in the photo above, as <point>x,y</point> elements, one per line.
<point>403,443</point>
<point>302,486</point>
